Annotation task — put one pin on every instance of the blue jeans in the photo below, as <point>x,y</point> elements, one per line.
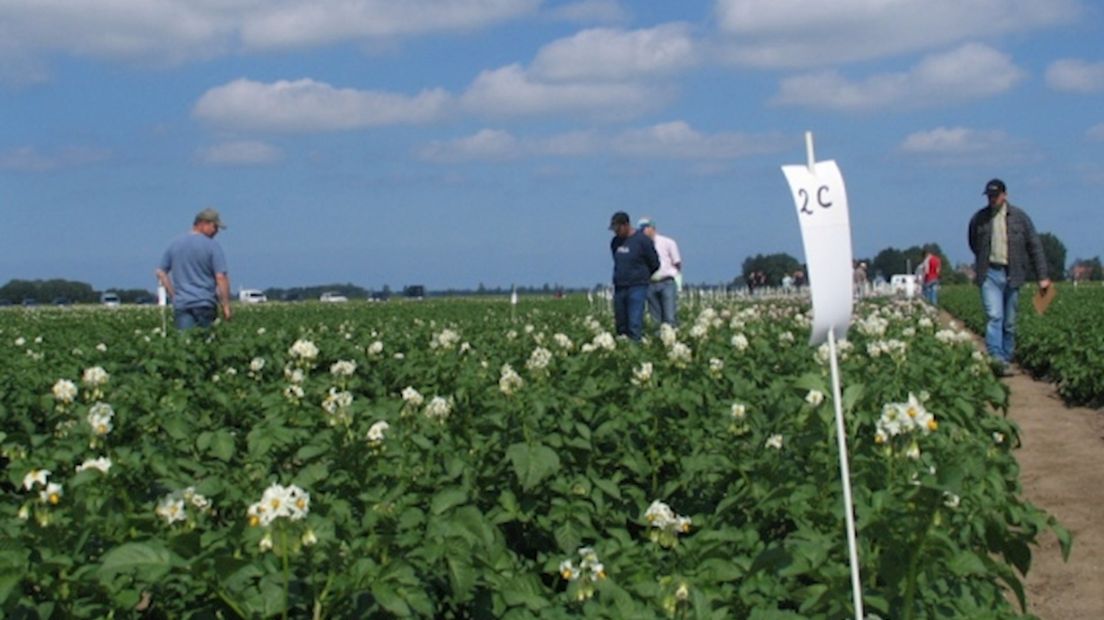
<point>187,318</point>
<point>931,293</point>
<point>628,310</point>
<point>663,301</point>
<point>999,301</point>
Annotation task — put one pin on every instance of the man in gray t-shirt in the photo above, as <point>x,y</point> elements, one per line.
<point>198,284</point>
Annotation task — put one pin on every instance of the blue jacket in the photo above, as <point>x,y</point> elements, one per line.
<point>634,260</point>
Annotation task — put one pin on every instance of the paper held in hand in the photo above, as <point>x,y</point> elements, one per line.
<point>1042,298</point>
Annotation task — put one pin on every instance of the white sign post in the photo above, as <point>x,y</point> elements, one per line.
<point>821,202</point>
<point>162,301</point>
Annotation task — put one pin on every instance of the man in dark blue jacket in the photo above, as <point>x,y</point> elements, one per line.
<point>634,261</point>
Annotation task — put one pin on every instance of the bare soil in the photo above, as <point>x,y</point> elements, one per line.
<point>1062,471</point>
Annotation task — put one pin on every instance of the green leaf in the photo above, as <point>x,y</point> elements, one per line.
<point>446,499</point>
<point>222,445</point>
<point>148,561</point>
<point>389,599</point>
<point>532,463</point>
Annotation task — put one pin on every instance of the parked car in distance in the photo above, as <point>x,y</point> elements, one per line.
<point>903,283</point>
<point>111,300</point>
<point>252,296</point>
<point>332,297</point>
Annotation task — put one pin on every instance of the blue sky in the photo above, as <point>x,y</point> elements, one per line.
<point>457,142</point>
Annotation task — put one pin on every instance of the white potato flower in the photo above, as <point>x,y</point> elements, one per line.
<point>36,476</point>
<point>102,463</point>
<point>95,376</point>
<point>65,391</point>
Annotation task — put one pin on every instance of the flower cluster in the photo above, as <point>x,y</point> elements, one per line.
<point>814,397</point>
<point>642,375</point>
<point>665,524</point>
<point>585,574</point>
<point>445,339</point>
<point>904,420</point>
<point>65,391</point>
<point>102,464</point>
<point>376,435</point>
<point>438,408</point>
<point>290,502</point>
<point>412,399</point>
<point>174,506</point>
<point>604,341</point>
<point>336,405</point>
<point>774,441</point>
<point>563,341</point>
<point>51,491</point>
<point>343,368</point>
<point>99,418</point>
<point>739,342</point>
<point>95,376</point>
<point>738,414</point>
<point>893,348</point>
<point>304,351</point>
<point>680,354</point>
<point>953,336</point>
<point>509,381</point>
<point>538,361</point>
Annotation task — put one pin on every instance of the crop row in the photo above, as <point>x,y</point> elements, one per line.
<point>1064,345</point>
<point>455,460</point>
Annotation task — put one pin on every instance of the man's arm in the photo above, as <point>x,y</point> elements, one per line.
<point>1035,252</point>
<point>165,281</point>
<point>222,283</point>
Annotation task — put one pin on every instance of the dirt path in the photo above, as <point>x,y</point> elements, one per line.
<point>1062,470</point>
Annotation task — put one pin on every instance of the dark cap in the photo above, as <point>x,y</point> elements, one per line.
<point>209,215</point>
<point>618,219</point>
<point>994,187</point>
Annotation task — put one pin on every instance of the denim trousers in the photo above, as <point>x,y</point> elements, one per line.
<point>663,302</point>
<point>187,318</point>
<point>999,300</point>
<point>931,293</point>
<point>628,310</point>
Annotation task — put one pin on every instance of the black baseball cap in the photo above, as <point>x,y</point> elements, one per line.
<point>994,187</point>
<point>618,219</point>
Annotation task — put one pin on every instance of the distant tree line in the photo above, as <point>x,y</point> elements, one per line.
<point>56,290</point>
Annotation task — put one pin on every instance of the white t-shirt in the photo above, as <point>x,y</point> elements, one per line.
<point>668,257</point>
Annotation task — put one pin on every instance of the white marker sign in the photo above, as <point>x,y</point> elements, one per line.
<point>821,202</point>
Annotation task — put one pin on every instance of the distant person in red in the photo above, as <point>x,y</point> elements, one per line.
<point>932,267</point>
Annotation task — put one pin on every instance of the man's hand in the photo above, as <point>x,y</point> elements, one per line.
<point>227,314</point>
<point>1044,284</point>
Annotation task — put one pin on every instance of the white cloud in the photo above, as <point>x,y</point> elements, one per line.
<point>677,140</point>
<point>672,140</point>
<point>169,31</point>
<point>972,71</point>
<point>511,91</point>
<point>954,140</point>
<point>487,144</point>
<point>603,53</point>
<point>1096,132</point>
<point>29,159</point>
<point>143,31</point>
<point>307,105</point>
<point>241,152</point>
<point>303,23</point>
<point>800,33</point>
<point>591,11</point>
<point>1075,75</point>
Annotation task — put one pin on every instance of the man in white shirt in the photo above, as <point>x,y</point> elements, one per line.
<point>667,280</point>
